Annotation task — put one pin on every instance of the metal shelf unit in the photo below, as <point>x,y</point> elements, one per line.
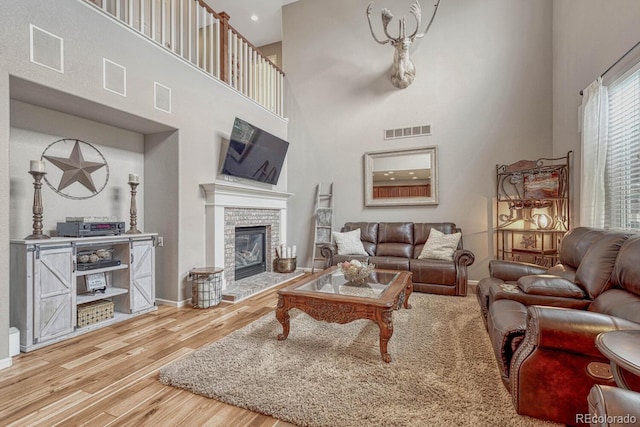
<point>532,209</point>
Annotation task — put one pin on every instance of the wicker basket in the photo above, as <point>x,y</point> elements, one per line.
<point>206,287</point>
<point>94,312</point>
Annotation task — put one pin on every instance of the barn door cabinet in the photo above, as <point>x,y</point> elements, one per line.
<point>143,291</point>
<point>51,278</point>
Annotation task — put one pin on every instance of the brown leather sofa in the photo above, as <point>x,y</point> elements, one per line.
<point>586,259</point>
<point>543,327</point>
<point>397,245</point>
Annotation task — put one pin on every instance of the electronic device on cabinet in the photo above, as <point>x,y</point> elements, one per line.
<point>84,229</point>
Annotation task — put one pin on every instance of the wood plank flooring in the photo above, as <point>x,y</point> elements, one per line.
<point>109,377</point>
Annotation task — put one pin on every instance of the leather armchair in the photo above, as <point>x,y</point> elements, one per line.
<point>612,407</point>
<point>547,356</point>
<point>557,363</point>
<point>587,258</point>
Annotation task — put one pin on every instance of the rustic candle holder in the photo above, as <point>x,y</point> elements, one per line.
<point>133,211</point>
<point>37,207</point>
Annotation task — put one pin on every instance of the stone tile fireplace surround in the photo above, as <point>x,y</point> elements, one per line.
<point>229,205</point>
<point>249,217</point>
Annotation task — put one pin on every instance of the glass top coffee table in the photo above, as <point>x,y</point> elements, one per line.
<point>328,296</point>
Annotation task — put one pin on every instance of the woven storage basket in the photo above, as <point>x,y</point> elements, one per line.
<point>94,312</point>
<point>206,287</point>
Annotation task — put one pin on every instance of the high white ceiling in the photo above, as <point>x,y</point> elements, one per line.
<point>268,28</point>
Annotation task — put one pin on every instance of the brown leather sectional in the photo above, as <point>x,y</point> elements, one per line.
<point>542,323</point>
<point>397,245</point>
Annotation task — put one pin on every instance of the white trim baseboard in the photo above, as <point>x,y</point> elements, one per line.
<point>177,304</point>
<point>6,363</point>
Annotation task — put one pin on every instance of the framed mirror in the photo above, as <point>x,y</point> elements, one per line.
<point>401,177</point>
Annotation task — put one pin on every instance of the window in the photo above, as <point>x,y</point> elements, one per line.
<point>622,170</point>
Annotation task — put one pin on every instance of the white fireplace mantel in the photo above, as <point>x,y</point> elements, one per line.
<point>221,195</point>
<point>238,196</point>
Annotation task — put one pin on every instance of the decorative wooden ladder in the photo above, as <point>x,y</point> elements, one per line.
<point>323,223</point>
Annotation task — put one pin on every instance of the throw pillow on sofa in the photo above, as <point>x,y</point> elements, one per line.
<point>349,243</point>
<point>440,245</point>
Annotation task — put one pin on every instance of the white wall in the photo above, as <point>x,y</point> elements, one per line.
<point>483,82</point>
<point>5,360</point>
<point>162,169</point>
<point>588,37</point>
<point>188,138</point>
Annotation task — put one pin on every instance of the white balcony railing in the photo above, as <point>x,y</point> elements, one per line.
<point>192,30</point>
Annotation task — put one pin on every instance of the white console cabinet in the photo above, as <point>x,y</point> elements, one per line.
<point>49,282</point>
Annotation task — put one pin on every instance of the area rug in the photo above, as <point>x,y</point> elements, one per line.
<point>442,371</point>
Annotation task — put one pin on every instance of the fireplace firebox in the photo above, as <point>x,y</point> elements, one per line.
<point>250,251</point>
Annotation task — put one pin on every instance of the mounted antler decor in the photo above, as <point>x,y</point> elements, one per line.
<point>402,71</point>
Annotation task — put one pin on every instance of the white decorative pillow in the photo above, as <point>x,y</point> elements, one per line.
<point>349,243</point>
<point>440,245</point>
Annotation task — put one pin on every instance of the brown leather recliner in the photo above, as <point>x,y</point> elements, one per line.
<point>586,257</point>
<point>397,245</point>
<point>547,355</point>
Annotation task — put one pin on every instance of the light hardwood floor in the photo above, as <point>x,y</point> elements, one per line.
<point>110,376</point>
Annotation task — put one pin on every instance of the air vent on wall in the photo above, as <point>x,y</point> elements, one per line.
<point>407,132</point>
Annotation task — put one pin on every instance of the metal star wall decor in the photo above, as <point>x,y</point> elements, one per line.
<point>528,242</point>
<point>75,169</point>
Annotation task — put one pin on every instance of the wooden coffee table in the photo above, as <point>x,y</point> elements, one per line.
<point>329,297</point>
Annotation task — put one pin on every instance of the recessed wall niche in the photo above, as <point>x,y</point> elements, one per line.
<point>33,128</point>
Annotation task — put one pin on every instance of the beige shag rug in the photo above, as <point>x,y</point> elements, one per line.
<point>443,371</point>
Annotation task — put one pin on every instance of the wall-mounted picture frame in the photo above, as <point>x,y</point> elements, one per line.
<point>544,185</point>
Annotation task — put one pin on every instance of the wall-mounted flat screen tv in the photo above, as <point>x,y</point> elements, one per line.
<point>254,153</point>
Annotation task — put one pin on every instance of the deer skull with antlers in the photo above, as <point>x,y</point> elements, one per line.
<point>402,71</point>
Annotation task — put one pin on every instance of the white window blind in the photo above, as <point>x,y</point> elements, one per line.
<point>622,171</point>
